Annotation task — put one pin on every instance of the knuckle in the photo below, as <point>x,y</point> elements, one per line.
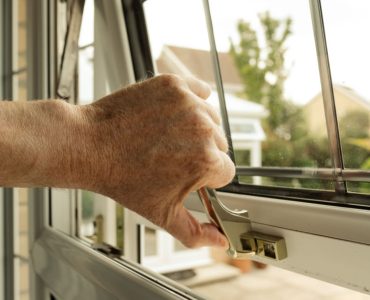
<point>170,80</point>
<point>207,160</point>
<point>174,88</point>
<point>202,126</point>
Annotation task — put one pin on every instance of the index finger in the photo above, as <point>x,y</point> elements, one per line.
<point>198,87</point>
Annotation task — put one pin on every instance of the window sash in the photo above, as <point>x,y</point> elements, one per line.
<point>338,174</point>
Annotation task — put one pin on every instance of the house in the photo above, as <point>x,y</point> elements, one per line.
<point>346,100</point>
<point>196,62</point>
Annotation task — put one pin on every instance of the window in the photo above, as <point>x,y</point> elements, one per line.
<point>299,154</point>
<point>78,223</point>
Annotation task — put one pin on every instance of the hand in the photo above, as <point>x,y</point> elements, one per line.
<point>157,141</point>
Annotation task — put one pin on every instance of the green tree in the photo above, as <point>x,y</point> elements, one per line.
<point>261,65</point>
<point>354,127</point>
<point>260,60</point>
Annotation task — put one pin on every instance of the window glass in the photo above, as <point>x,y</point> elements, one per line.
<point>179,44</point>
<point>100,218</point>
<point>272,87</point>
<point>177,49</point>
<point>346,29</point>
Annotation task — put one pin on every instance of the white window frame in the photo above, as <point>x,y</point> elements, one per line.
<point>326,242</point>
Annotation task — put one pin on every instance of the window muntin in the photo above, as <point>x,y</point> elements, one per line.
<point>346,26</point>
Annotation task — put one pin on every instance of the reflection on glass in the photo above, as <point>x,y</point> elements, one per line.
<point>346,29</point>
<point>291,183</point>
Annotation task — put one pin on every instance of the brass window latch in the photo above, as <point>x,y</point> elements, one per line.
<point>237,227</point>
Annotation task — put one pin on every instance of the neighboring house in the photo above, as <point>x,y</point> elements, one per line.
<point>244,116</point>
<point>346,100</point>
<point>196,62</point>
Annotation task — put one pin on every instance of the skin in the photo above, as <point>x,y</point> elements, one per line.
<point>145,146</point>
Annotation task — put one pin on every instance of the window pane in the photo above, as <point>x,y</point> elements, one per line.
<point>272,87</point>
<point>100,219</point>
<point>179,44</point>
<point>346,25</point>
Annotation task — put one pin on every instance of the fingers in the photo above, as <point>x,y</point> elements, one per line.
<point>192,234</point>
<point>222,173</point>
<point>212,113</point>
<point>218,135</point>
<point>198,87</point>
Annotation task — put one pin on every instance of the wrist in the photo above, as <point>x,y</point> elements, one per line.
<point>62,155</point>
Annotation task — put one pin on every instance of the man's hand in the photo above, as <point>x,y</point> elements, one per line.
<point>146,146</point>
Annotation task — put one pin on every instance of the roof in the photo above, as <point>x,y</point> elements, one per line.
<point>349,93</point>
<point>198,63</point>
<point>238,107</point>
<point>244,117</point>
<point>353,95</point>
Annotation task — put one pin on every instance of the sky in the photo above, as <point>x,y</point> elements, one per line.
<point>182,23</point>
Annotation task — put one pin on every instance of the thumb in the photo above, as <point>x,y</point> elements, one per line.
<point>193,234</point>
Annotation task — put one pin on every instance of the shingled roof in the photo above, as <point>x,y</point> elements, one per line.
<point>197,62</point>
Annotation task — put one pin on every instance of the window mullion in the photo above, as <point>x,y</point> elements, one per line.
<point>328,95</point>
<point>218,79</point>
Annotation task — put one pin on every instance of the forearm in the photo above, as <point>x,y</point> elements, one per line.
<point>38,144</point>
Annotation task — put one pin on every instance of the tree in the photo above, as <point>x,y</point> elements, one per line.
<point>260,61</point>
<point>261,65</point>
<point>354,132</point>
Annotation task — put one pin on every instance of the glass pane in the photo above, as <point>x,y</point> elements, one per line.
<point>346,25</point>
<point>100,218</point>
<point>267,53</point>
<point>180,45</point>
